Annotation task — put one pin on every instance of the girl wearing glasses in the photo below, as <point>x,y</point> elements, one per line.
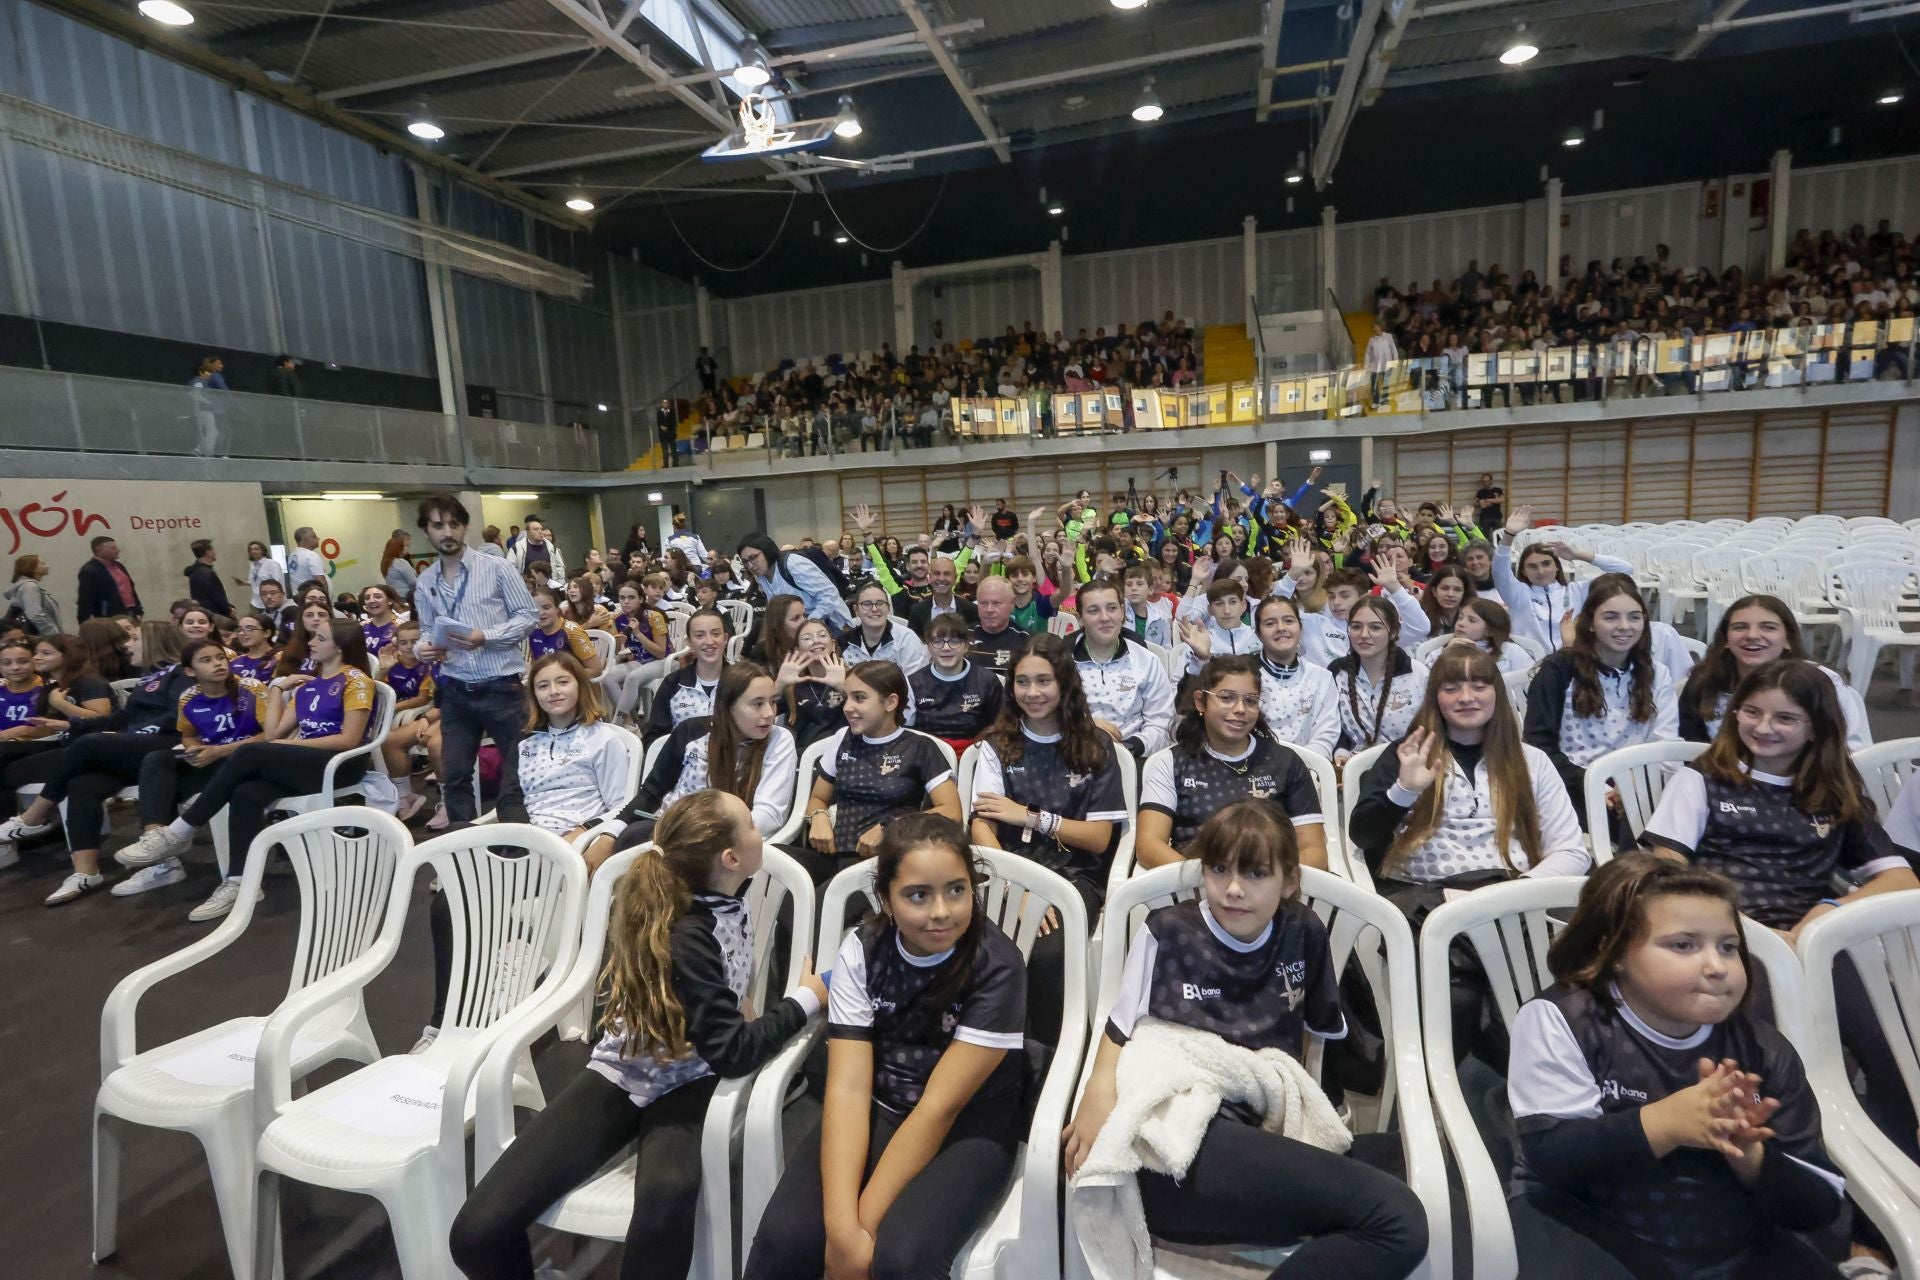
<point>1223,751</point>
<point>952,698</point>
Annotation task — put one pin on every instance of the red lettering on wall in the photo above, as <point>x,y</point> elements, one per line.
<point>48,520</point>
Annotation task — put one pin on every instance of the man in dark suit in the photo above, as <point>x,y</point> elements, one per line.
<point>106,589</point>
<point>942,575</point>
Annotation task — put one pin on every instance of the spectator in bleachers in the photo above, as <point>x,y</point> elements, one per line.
<point>203,580</point>
<point>666,423</point>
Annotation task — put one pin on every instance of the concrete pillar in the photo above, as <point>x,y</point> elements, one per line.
<point>902,309</point>
<point>703,314</point>
<point>1269,454</point>
<point>1250,272</point>
<point>1367,472</point>
<point>1550,270</point>
<point>623,365</point>
<point>1053,291</point>
<point>1781,175</point>
<point>1329,260</point>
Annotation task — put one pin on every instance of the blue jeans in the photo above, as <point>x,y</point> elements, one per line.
<point>496,708</point>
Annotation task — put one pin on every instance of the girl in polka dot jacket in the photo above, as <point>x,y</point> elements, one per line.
<point>1603,691</point>
<point>1776,805</point>
<point>1250,963</point>
<point>1659,1119</point>
<point>679,961</point>
<point>1461,802</point>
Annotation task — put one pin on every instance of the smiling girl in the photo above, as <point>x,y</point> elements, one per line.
<point>740,749</point>
<point>554,632</point>
<point>1377,685</point>
<point>1754,631</point>
<point>926,1059</point>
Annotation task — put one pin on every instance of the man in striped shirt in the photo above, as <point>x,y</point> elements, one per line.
<point>474,613</point>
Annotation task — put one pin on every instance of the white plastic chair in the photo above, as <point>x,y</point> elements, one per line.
<point>602,1207</point>
<point>1869,597</point>
<point>1350,774</point>
<point>1021,1237</point>
<point>1639,774</point>
<point>1517,683</point>
<point>1358,922</point>
<point>1882,936</point>
<point>1718,572</point>
<point>1509,927</point>
<point>809,765</point>
<point>603,646</point>
<point>379,725</point>
<point>202,1083</point>
<point>740,614</point>
<point>1885,767</point>
<point>1326,781</point>
<point>396,1130</point>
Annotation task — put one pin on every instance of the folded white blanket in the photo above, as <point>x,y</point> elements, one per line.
<point>1169,1085</point>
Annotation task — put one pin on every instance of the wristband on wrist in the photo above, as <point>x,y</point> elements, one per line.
<point>1830,902</point>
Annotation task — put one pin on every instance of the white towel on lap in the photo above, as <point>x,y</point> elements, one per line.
<point>1169,1085</point>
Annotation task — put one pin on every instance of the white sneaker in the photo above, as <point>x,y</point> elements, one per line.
<point>9,854</point>
<point>410,804</point>
<point>439,821</point>
<point>153,846</point>
<point>220,903</point>
<point>157,876</point>
<point>14,830</point>
<point>72,887</point>
<point>1866,1267</point>
<point>427,1036</point>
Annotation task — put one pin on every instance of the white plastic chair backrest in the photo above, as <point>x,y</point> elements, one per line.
<point>508,909</point>
<point>1326,781</point>
<point>603,645</point>
<point>1718,569</point>
<point>1517,682</point>
<point>1885,767</point>
<point>343,862</point>
<point>809,767</point>
<point>1696,649</point>
<point>1432,645</point>
<point>123,689</point>
<point>1534,649</point>
<point>963,777</point>
<point>1161,652</point>
<point>1639,773</point>
<point>1873,591</point>
<point>1881,935</point>
<point>740,613</point>
<point>1350,774</point>
<point>1177,660</point>
<point>654,749</point>
<point>636,762</point>
<point>1792,576</point>
<point>736,647</point>
<point>1063,624</point>
<point>1868,522</point>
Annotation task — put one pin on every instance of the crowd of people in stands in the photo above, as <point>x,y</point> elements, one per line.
<point>1829,279</point>
<point>857,403</point>
<point>1053,640</point>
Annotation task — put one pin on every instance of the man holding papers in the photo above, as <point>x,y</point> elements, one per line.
<point>474,614</point>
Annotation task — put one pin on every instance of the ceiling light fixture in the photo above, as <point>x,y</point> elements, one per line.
<point>752,71</point>
<point>847,124</point>
<point>420,124</point>
<point>580,204</point>
<point>1573,139</point>
<point>841,238</point>
<point>518,497</point>
<point>354,497</point>
<point>1129,4</point>
<point>1891,97</point>
<point>1148,109</point>
<point>1521,50</point>
<point>1056,209</point>
<point>601,407</point>
<point>1295,177</point>
<point>166,13</point>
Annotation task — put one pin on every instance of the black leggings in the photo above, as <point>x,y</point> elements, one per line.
<point>88,773</point>
<point>22,762</point>
<point>1557,1238</point>
<point>254,777</point>
<point>591,1121</point>
<point>925,1228</point>
<point>164,778</point>
<point>1250,1187</point>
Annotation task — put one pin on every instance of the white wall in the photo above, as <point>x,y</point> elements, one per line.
<point>771,327</point>
<point>154,523</point>
<point>976,308</point>
<point>353,535</point>
<point>1423,247</point>
<point>1203,281</point>
<point>1834,197</point>
<point>1627,224</point>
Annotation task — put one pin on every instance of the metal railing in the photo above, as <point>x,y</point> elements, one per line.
<point>72,412</point>
<point>1340,352</point>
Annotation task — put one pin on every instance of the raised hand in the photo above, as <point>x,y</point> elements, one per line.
<point>1419,756</point>
<point>1385,576</point>
<point>1299,559</point>
<point>1033,517</point>
<point>1342,542</point>
<point>1204,568</point>
<point>1521,518</point>
<point>863,518</point>
<point>1446,513</point>
<point>833,671</point>
<point>1195,636</point>
<point>793,670</point>
<point>977,514</point>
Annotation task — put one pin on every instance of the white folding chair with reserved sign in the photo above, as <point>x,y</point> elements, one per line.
<point>1357,919</point>
<point>1638,774</point>
<point>1021,1238</point>
<point>343,862</point>
<point>602,1207</point>
<point>396,1129</point>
